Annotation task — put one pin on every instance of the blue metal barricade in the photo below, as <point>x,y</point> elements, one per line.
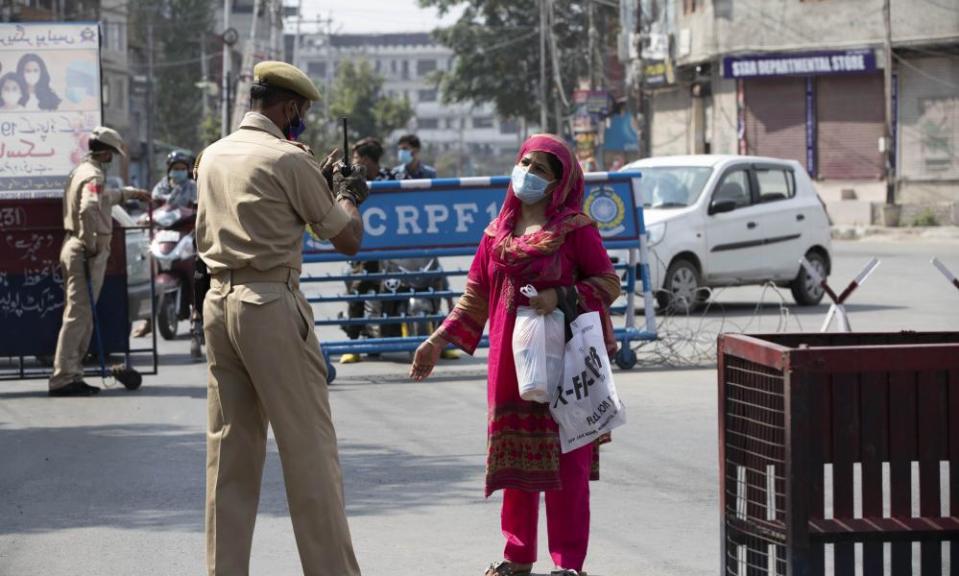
<point>429,219</point>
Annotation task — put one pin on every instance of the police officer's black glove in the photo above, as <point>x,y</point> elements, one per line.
<point>353,186</point>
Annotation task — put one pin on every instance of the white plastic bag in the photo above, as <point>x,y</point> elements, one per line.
<point>585,403</point>
<point>538,347</point>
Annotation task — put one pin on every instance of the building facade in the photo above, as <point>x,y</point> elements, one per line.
<point>804,79</point>
<point>459,138</point>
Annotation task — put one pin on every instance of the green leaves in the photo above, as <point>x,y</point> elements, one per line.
<point>497,53</point>
<point>357,93</point>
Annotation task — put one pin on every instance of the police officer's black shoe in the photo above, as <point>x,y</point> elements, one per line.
<point>75,388</point>
<point>130,378</point>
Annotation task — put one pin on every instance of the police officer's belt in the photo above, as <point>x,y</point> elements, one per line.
<point>250,275</point>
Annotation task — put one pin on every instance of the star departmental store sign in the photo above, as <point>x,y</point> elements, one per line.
<point>800,64</point>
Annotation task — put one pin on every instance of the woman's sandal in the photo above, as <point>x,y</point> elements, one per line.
<point>505,568</point>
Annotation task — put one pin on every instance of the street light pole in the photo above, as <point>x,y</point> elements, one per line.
<point>227,66</point>
<point>150,80</point>
<point>542,66</point>
<point>888,129</point>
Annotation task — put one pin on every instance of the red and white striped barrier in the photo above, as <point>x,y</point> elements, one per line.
<point>838,309</point>
<point>946,272</point>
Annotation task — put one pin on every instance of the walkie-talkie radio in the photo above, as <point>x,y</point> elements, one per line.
<point>346,169</point>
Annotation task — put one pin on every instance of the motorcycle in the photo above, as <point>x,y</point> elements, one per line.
<point>415,305</point>
<point>174,251</point>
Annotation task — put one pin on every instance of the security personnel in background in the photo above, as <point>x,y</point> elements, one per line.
<point>89,224</point>
<point>367,153</point>
<point>258,192</point>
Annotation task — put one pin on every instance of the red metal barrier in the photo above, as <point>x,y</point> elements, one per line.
<point>796,409</point>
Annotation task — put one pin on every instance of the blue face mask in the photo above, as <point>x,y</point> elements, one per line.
<point>297,127</point>
<point>528,187</point>
<point>405,155</point>
<point>178,176</point>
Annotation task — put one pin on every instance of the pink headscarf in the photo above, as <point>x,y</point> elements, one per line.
<point>523,256</point>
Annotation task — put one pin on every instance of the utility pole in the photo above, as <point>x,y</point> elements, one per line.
<point>542,66</point>
<point>245,78</point>
<point>645,141</point>
<point>150,80</point>
<point>227,67</point>
<point>205,73</point>
<point>888,129</point>
<point>591,43</point>
<point>296,37</point>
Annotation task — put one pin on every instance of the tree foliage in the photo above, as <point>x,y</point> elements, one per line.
<point>358,94</point>
<point>496,47</point>
<point>178,28</point>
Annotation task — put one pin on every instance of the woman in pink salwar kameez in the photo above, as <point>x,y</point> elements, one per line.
<point>543,239</point>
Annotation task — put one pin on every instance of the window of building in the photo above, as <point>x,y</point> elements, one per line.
<point>690,6</point>
<point>376,65</point>
<point>393,66</point>
<point>508,126</point>
<point>427,123</point>
<point>775,184</point>
<point>483,122</point>
<point>426,95</point>
<point>424,67</point>
<point>316,69</point>
<point>405,70</point>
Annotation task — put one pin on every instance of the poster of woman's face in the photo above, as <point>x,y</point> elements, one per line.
<point>53,81</point>
<point>49,102</point>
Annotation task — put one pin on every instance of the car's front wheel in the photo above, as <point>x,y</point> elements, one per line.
<point>806,291</point>
<point>682,288</point>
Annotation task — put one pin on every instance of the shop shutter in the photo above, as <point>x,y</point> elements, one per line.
<point>776,118</point>
<point>850,112</point>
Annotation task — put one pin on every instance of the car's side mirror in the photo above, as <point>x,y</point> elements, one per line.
<point>720,206</point>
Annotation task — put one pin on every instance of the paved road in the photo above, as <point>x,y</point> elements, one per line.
<point>114,484</point>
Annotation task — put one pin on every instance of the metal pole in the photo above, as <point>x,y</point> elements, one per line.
<point>150,47</point>
<point>296,37</point>
<point>205,72</point>
<point>887,78</point>
<point>227,66</point>
<point>542,66</point>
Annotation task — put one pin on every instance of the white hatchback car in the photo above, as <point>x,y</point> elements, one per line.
<point>730,221</point>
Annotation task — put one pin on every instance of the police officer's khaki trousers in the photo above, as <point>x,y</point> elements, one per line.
<point>77,327</point>
<point>265,366</point>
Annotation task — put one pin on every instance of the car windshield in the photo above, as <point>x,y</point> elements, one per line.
<point>672,186</point>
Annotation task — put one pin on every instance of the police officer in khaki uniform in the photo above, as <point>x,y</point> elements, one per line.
<point>89,225</point>
<point>258,192</point>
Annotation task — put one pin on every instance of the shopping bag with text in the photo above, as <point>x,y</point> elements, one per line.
<point>585,403</point>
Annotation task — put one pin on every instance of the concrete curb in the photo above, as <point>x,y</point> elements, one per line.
<point>884,234</point>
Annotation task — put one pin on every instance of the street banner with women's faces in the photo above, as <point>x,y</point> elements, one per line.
<point>49,103</point>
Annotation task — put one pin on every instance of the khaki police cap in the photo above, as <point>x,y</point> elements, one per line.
<point>110,137</point>
<point>286,76</point>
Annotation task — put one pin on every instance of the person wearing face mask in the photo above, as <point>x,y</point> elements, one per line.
<point>89,228</point>
<point>411,168</point>
<point>39,95</point>
<point>176,188</point>
<point>12,89</point>
<point>541,237</point>
<point>259,190</point>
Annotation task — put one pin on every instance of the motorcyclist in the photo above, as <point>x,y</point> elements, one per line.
<point>177,190</point>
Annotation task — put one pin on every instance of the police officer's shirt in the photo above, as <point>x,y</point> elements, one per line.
<point>87,206</point>
<point>257,192</point>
